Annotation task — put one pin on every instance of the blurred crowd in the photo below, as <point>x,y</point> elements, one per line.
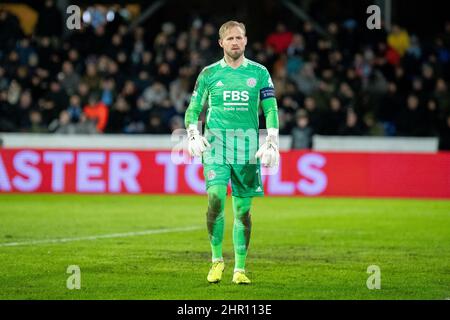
<point>110,78</point>
<point>355,81</point>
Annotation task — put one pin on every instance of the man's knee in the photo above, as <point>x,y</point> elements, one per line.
<point>242,206</point>
<point>244,220</point>
<point>215,204</point>
<point>216,200</point>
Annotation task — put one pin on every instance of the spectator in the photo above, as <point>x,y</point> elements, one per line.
<point>36,125</point>
<point>14,92</point>
<point>155,124</point>
<point>176,123</point>
<point>302,132</point>
<point>23,110</point>
<point>310,35</point>
<point>54,102</point>
<point>281,39</point>
<point>429,80</point>
<point>119,117</point>
<point>164,74</point>
<point>7,114</point>
<point>62,125</point>
<point>108,91</point>
<point>97,111</point>
<point>57,95</point>
<point>83,92</point>
<point>75,109</point>
<point>399,40</point>
<point>412,60</point>
<point>314,115</point>
<point>50,20</point>
<point>290,107</point>
<point>323,95</point>
<point>180,90</point>
<point>352,126</point>
<point>410,120</point>
<point>389,108</point>
<point>129,92</point>
<point>92,79</point>
<point>442,96</point>
<point>69,78</point>
<point>10,29</point>
<point>418,90</point>
<point>140,117</point>
<point>373,128</point>
<point>155,94</point>
<point>335,116</point>
<point>284,126</point>
<point>44,51</point>
<point>306,79</point>
<point>167,111</point>
<point>24,51</point>
<point>74,58</point>
<point>297,45</point>
<point>401,80</point>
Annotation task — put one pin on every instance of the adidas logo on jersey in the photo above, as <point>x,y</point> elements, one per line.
<point>258,189</point>
<point>219,84</point>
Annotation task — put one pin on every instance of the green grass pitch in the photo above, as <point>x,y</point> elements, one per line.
<point>301,248</point>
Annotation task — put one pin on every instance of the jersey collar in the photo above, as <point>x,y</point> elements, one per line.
<point>223,64</point>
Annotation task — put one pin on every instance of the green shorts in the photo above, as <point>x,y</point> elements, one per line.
<point>245,178</point>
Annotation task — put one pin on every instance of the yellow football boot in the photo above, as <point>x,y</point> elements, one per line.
<point>215,273</point>
<point>239,277</point>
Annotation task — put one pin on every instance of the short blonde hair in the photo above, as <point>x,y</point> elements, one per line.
<point>228,25</point>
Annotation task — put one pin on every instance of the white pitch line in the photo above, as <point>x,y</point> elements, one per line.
<point>104,236</point>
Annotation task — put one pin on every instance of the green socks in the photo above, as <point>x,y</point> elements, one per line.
<point>241,230</point>
<point>215,220</point>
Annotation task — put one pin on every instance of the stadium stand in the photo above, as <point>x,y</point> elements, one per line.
<point>104,79</point>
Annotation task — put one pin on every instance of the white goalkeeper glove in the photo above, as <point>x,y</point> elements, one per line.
<point>196,143</point>
<point>268,152</point>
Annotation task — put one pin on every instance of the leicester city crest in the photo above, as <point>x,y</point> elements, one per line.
<point>211,174</point>
<point>251,82</point>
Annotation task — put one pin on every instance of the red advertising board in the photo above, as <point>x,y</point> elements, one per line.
<point>300,173</point>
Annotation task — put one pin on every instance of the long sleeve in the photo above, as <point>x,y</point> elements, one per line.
<point>199,96</point>
<point>268,101</point>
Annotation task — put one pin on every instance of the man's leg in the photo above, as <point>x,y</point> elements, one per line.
<point>241,236</point>
<point>215,220</point>
<point>246,183</point>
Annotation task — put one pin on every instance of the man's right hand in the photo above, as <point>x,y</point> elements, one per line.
<point>196,143</point>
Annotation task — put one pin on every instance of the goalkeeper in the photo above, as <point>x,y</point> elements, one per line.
<point>234,87</point>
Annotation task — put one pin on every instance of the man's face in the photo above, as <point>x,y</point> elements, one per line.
<point>233,42</point>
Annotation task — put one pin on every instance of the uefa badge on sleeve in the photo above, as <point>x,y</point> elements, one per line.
<point>251,82</point>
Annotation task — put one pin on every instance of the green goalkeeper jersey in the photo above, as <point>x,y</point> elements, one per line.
<point>233,97</point>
